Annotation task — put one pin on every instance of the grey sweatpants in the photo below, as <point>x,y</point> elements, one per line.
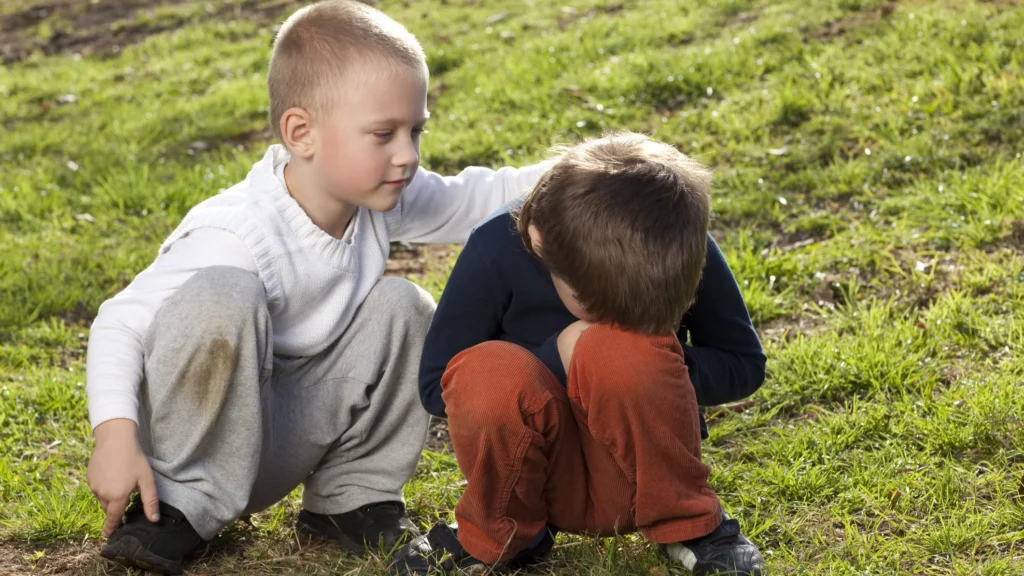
<point>229,428</point>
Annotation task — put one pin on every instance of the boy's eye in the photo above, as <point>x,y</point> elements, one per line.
<point>383,134</point>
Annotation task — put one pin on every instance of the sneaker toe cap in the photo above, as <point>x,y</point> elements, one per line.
<point>741,561</point>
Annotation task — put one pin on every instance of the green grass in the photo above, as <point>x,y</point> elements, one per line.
<point>869,196</point>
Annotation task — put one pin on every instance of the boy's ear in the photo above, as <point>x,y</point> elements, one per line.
<point>297,132</point>
<point>535,239</point>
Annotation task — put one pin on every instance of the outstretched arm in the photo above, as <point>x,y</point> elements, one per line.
<point>445,209</point>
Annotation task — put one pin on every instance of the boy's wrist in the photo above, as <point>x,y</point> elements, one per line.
<point>117,428</point>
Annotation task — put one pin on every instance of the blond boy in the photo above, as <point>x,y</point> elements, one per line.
<point>262,349</point>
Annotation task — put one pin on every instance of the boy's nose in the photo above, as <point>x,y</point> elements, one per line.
<point>408,155</point>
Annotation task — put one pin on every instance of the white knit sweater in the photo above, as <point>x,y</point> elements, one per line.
<point>314,282</point>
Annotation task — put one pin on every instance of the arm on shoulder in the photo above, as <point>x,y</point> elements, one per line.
<point>444,209</point>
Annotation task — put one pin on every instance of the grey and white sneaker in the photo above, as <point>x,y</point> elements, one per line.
<point>725,552</point>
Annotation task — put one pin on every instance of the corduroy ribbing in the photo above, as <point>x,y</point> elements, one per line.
<point>617,451</point>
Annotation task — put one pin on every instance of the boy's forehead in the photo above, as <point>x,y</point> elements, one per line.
<point>385,86</point>
<point>376,69</point>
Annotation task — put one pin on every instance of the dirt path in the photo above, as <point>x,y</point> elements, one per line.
<point>104,28</point>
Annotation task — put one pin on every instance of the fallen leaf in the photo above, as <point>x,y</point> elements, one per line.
<point>496,18</point>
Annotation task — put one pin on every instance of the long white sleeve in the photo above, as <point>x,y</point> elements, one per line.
<point>314,282</point>
<point>445,209</point>
<point>114,367</point>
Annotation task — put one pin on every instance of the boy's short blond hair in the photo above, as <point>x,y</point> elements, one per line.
<point>320,44</point>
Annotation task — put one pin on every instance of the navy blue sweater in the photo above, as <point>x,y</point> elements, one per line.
<point>497,291</point>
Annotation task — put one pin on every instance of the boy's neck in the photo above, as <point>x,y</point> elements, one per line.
<point>329,214</point>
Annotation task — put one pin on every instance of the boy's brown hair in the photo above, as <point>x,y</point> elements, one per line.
<point>623,219</point>
<point>320,44</point>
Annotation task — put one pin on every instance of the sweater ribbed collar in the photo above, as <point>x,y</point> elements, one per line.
<point>263,178</point>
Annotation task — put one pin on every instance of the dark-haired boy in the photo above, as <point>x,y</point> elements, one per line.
<point>555,355</point>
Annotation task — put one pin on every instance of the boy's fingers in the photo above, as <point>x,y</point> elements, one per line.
<point>147,491</point>
<point>115,510</point>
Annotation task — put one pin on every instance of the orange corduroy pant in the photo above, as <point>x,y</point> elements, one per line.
<point>615,451</point>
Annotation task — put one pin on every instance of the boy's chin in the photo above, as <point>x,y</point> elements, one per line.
<point>382,202</point>
<point>388,205</point>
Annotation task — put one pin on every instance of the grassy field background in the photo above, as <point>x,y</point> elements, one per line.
<point>869,196</point>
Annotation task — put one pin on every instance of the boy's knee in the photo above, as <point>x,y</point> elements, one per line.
<point>626,366</point>
<point>219,297</point>
<point>492,360</point>
<point>405,300</point>
<point>492,380</point>
<point>224,288</point>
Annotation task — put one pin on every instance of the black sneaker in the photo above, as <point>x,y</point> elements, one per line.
<point>383,525</point>
<point>440,551</point>
<point>163,546</point>
<point>725,552</point>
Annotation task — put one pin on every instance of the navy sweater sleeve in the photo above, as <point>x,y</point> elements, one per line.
<point>549,355</point>
<point>469,313</point>
<point>724,355</point>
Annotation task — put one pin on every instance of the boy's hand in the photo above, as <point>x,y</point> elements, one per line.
<point>567,341</point>
<point>117,468</point>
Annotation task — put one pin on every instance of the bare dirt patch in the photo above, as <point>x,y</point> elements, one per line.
<point>1015,240</point>
<point>57,558</point>
<point>239,549</point>
<point>841,26</point>
<point>745,17</point>
<point>104,28</point>
<point>438,439</point>
<point>416,261</point>
<point>570,15</point>
<point>69,26</point>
